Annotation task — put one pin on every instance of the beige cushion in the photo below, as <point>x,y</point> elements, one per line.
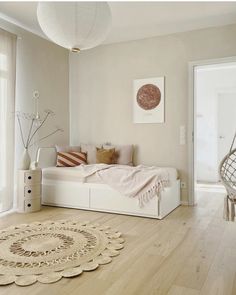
<point>91,150</point>
<point>105,156</point>
<point>124,154</point>
<point>67,148</point>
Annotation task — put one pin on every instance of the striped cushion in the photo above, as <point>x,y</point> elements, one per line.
<point>71,159</point>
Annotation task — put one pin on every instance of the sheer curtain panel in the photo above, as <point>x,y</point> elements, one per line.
<point>7,117</point>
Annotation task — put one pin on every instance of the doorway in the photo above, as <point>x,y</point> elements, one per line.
<point>214,124</point>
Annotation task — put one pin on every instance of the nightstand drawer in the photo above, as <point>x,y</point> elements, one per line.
<point>32,177</point>
<point>29,190</point>
<point>32,191</point>
<point>32,205</point>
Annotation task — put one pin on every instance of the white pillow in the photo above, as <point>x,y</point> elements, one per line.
<point>125,153</point>
<point>91,150</point>
<point>67,148</point>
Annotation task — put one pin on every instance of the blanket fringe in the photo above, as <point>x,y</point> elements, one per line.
<point>155,190</point>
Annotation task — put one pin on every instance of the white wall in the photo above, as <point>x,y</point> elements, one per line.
<point>101,91</point>
<point>44,66</point>
<point>211,84</point>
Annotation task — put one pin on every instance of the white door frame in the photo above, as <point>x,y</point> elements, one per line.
<point>192,116</point>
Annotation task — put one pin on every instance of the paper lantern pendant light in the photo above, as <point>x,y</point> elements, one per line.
<point>75,25</point>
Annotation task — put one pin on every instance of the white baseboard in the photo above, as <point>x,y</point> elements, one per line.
<point>184,203</point>
<point>7,212</point>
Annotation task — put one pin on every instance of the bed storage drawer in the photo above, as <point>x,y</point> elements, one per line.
<point>66,194</point>
<point>107,199</point>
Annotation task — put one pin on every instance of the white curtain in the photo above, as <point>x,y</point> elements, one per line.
<point>7,117</point>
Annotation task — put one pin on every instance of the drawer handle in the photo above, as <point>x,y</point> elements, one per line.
<point>29,177</point>
<point>29,191</point>
<point>29,205</point>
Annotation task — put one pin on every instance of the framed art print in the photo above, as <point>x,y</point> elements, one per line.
<point>149,100</point>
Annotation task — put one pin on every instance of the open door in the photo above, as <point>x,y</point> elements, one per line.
<point>214,123</point>
<point>226,122</point>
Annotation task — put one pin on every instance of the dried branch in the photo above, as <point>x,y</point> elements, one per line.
<point>44,137</point>
<point>31,132</point>
<point>37,129</point>
<point>21,132</point>
<point>31,126</point>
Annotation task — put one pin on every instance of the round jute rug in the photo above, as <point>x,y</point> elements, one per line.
<point>48,251</point>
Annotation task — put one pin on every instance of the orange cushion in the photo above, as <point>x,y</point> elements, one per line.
<point>105,156</point>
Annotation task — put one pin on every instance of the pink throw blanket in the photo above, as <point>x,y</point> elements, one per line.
<point>142,182</point>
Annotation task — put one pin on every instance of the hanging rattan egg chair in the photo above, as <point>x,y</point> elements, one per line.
<point>227,172</point>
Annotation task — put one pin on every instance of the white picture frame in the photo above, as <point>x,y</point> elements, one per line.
<point>149,100</point>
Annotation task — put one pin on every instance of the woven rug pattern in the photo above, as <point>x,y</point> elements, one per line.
<point>48,251</point>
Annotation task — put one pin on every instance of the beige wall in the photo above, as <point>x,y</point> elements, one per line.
<point>101,91</point>
<point>44,66</point>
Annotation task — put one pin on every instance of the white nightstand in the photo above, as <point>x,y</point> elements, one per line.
<point>29,190</point>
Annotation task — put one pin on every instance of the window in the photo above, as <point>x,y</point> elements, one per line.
<point>3,111</point>
<point>7,104</point>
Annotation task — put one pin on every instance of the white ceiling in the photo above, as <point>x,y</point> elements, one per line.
<point>138,20</point>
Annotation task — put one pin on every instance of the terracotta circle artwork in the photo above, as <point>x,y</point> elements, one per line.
<point>148,97</point>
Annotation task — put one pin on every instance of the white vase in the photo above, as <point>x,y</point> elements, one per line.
<point>25,160</point>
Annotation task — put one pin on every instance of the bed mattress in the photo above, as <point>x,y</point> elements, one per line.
<point>72,174</point>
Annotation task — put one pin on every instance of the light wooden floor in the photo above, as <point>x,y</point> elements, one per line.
<point>191,252</point>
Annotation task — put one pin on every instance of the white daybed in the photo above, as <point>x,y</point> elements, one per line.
<point>69,191</point>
